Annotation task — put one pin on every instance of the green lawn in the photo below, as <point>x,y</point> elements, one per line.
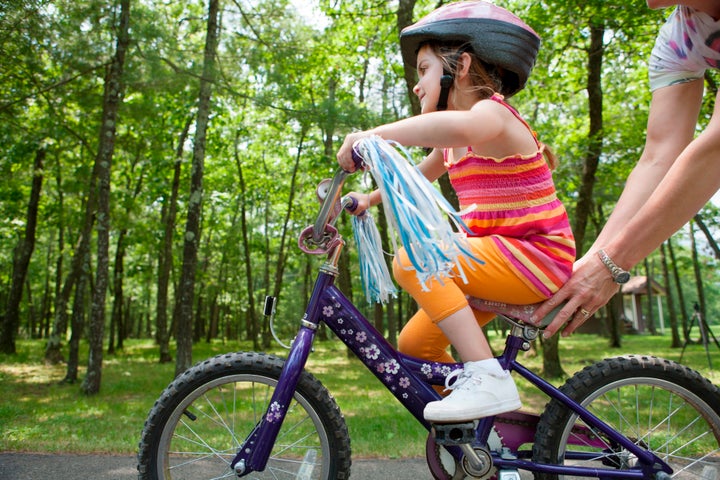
<point>38,414</point>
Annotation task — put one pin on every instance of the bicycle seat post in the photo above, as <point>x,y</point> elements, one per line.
<point>519,338</point>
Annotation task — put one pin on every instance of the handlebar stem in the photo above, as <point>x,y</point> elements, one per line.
<point>333,196</point>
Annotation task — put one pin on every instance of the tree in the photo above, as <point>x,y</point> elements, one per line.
<point>670,302</point>
<point>184,311</point>
<point>11,320</point>
<point>114,90</point>
<point>168,217</point>
<point>289,81</point>
<point>680,293</point>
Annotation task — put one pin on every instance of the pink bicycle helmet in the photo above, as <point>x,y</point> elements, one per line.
<point>495,35</point>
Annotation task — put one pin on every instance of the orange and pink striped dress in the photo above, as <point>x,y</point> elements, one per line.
<point>513,199</point>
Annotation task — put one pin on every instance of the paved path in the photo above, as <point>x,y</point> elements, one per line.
<point>30,466</point>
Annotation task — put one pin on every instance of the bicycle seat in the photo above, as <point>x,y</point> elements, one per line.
<point>516,312</point>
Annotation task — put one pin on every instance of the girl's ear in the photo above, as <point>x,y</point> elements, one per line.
<point>463,65</point>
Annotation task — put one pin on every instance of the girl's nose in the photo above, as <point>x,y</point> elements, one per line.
<point>416,89</point>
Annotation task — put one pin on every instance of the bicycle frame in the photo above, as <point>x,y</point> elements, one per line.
<point>411,379</point>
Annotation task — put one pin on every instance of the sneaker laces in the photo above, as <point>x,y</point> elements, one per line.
<point>457,378</point>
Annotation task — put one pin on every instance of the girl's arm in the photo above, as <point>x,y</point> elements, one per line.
<point>457,128</point>
<point>432,167</point>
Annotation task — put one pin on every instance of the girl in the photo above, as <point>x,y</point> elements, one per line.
<point>468,55</point>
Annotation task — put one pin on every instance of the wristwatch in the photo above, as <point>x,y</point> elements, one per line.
<point>619,275</point>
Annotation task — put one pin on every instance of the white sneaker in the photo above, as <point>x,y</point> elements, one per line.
<point>476,393</point>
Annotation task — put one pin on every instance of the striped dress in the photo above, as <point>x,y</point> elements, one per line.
<point>513,200</point>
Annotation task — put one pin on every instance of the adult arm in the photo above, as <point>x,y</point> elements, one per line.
<point>660,196</point>
<point>671,126</point>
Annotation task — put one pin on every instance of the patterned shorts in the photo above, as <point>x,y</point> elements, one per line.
<point>687,45</point>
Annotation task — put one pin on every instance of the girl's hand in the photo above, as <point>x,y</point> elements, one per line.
<point>344,154</point>
<point>361,204</point>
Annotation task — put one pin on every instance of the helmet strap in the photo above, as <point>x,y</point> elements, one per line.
<point>446,82</point>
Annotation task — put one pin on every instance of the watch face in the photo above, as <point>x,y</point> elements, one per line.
<point>622,277</point>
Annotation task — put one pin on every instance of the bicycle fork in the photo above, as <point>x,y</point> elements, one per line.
<point>254,452</point>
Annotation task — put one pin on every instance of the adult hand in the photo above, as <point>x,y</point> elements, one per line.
<point>590,287</point>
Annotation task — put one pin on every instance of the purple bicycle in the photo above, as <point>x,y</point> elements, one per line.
<point>257,416</point>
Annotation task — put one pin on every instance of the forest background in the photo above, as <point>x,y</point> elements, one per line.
<point>160,158</point>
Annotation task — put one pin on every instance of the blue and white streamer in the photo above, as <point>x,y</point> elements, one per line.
<point>376,281</point>
<point>417,213</point>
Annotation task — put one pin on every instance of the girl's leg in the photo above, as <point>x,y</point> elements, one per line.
<point>483,389</point>
<point>421,338</point>
<point>465,334</point>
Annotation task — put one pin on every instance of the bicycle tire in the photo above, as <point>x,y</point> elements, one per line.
<point>667,407</point>
<point>197,425</point>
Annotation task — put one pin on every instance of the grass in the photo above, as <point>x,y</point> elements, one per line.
<point>40,414</point>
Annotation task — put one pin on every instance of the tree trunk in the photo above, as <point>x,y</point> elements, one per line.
<point>184,312</point>
<point>53,353</point>
<point>670,301</point>
<point>165,259</point>
<point>551,357</point>
<point>680,293</point>
<point>700,288</point>
<point>615,320</point>
<point>405,18</point>
<point>650,323</point>
<point>281,259</point>
<point>77,321</point>
<point>116,318</point>
<point>584,204</point>
<point>708,235</point>
<point>250,314</point>
<point>10,322</point>
<point>112,99</point>
<point>391,307</point>
<point>44,327</point>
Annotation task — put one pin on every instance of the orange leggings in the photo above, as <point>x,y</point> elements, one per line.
<point>493,280</point>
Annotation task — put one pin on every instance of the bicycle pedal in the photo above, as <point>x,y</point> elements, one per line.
<point>454,433</point>
<point>508,475</point>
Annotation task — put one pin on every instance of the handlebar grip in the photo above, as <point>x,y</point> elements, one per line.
<point>357,158</point>
<point>352,205</point>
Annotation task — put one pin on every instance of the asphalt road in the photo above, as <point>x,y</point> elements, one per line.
<point>31,466</point>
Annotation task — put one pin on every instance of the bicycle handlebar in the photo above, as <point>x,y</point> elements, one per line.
<point>326,210</point>
<point>325,216</point>
<point>320,237</point>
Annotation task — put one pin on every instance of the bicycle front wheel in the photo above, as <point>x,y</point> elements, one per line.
<point>661,405</point>
<point>196,427</point>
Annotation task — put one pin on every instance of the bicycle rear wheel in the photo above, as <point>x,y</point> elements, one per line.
<point>661,405</point>
<point>196,427</point>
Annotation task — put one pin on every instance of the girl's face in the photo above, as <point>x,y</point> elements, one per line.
<point>430,69</point>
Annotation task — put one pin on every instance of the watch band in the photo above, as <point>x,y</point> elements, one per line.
<point>619,275</point>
